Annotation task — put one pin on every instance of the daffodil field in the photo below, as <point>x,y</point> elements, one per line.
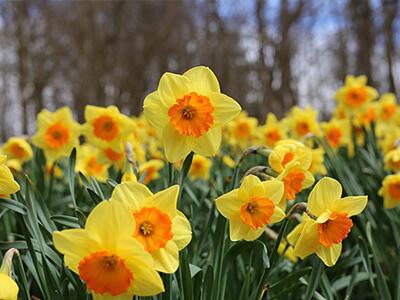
<point>194,199</point>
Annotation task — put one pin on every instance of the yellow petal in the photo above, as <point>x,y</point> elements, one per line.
<point>74,244</point>
<point>109,220</point>
<point>202,80</point>
<point>278,215</point>
<point>225,108</point>
<point>241,231</point>
<point>251,186</point>
<point>229,204</point>
<point>208,144</point>
<point>176,146</point>
<point>323,194</point>
<point>166,259</point>
<point>8,288</point>
<point>181,230</point>
<point>165,200</point>
<point>131,194</point>
<point>274,190</point>
<point>294,235</point>
<point>352,205</point>
<point>308,241</point>
<point>7,183</point>
<point>330,255</point>
<point>172,87</point>
<point>155,111</point>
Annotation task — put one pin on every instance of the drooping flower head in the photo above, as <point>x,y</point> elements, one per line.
<point>324,235</point>
<point>159,226</point>
<point>7,183</point>
<point>57,133</point>
<point>17,148</point>
<point>188,111</point>
<point>287,151</point>
<point>251,207</point>
<point>106,256</point>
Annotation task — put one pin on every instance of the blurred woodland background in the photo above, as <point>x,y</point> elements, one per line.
<point>268,54</point>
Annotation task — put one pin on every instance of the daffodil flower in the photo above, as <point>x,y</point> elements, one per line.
<point>332,223</point>
<point>390,191</point>
<point>7,183</point>
<point>188,111</point>
<point>251,207</point>
<point>107,257</point>
<point>159,226</point>
<point>17,148</point>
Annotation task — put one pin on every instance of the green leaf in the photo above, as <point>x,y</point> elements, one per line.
<point>313,282</point>
<point>13,205</point>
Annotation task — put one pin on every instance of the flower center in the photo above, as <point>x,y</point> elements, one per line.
<point>302,128</point>
<point>243,130</point>
<point>273,136</point>
<point>333,135</point>
<point>192,115</point>
<point>105,272</point>
<point>257,212</point>
<point>56,136</point>
<point>17,150</point>
<point>287,158</point>
<point>92,166</point>
<point>356,96</point>
<point>112,155</point>
<point>388,111</point>
<point>334,230</point>
<point>153,228</point>
<point>394,190</point>
<point>105,128</point>
<point>293,183</point>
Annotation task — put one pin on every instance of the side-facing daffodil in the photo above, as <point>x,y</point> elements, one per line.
<point>106,127</point>
<point>87,162</point>
<point>325,234</point>
<point>295,179</point>
<point>17,148</point>
<point>7,183</point>
<point>159,226</point>
<point>200,168</point>
<point>287,151</point>
<point>390,191</point>
<point>105,255</point>
<point>188,111</point>
<point>355,93</point>
<point>57,133</point>
<point>251,207</point>
<point>151,170</point>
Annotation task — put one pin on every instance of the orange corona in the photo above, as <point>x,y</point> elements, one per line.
<point>105,128</point>
<point>335,229</point>
<point>56,136</point>
<point>293,183</point>
<point>257,212</point>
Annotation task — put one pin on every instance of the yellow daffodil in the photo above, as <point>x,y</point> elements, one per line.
<point>272,132</point>
<point>295,179</point>
<point>106,127</point>
<point>242,130</point>
<point>390,191</point>
<point>200,168</point>
<point>325,234</point>
<point>159,226</point>
<point>8,287</point>
<point>188,111</point>
<point>57,133</point>
<point>111,157</point>
<point>355,93</point>
<point>105,255</point>
<point>304,122</point>
<point>317,165</point>
<point>87,162</point>
<point>392,160</point>
<point>364,117</point>
<point>151,170</point>
<point>17,148</point>
<point>251,207</point>
<point>287,151</point>
<point>7,183</point>
<point>388,110</point>
<point>337,132</point>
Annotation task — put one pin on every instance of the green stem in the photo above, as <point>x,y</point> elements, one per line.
<point>272,258</point>
<point>25,287</point>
